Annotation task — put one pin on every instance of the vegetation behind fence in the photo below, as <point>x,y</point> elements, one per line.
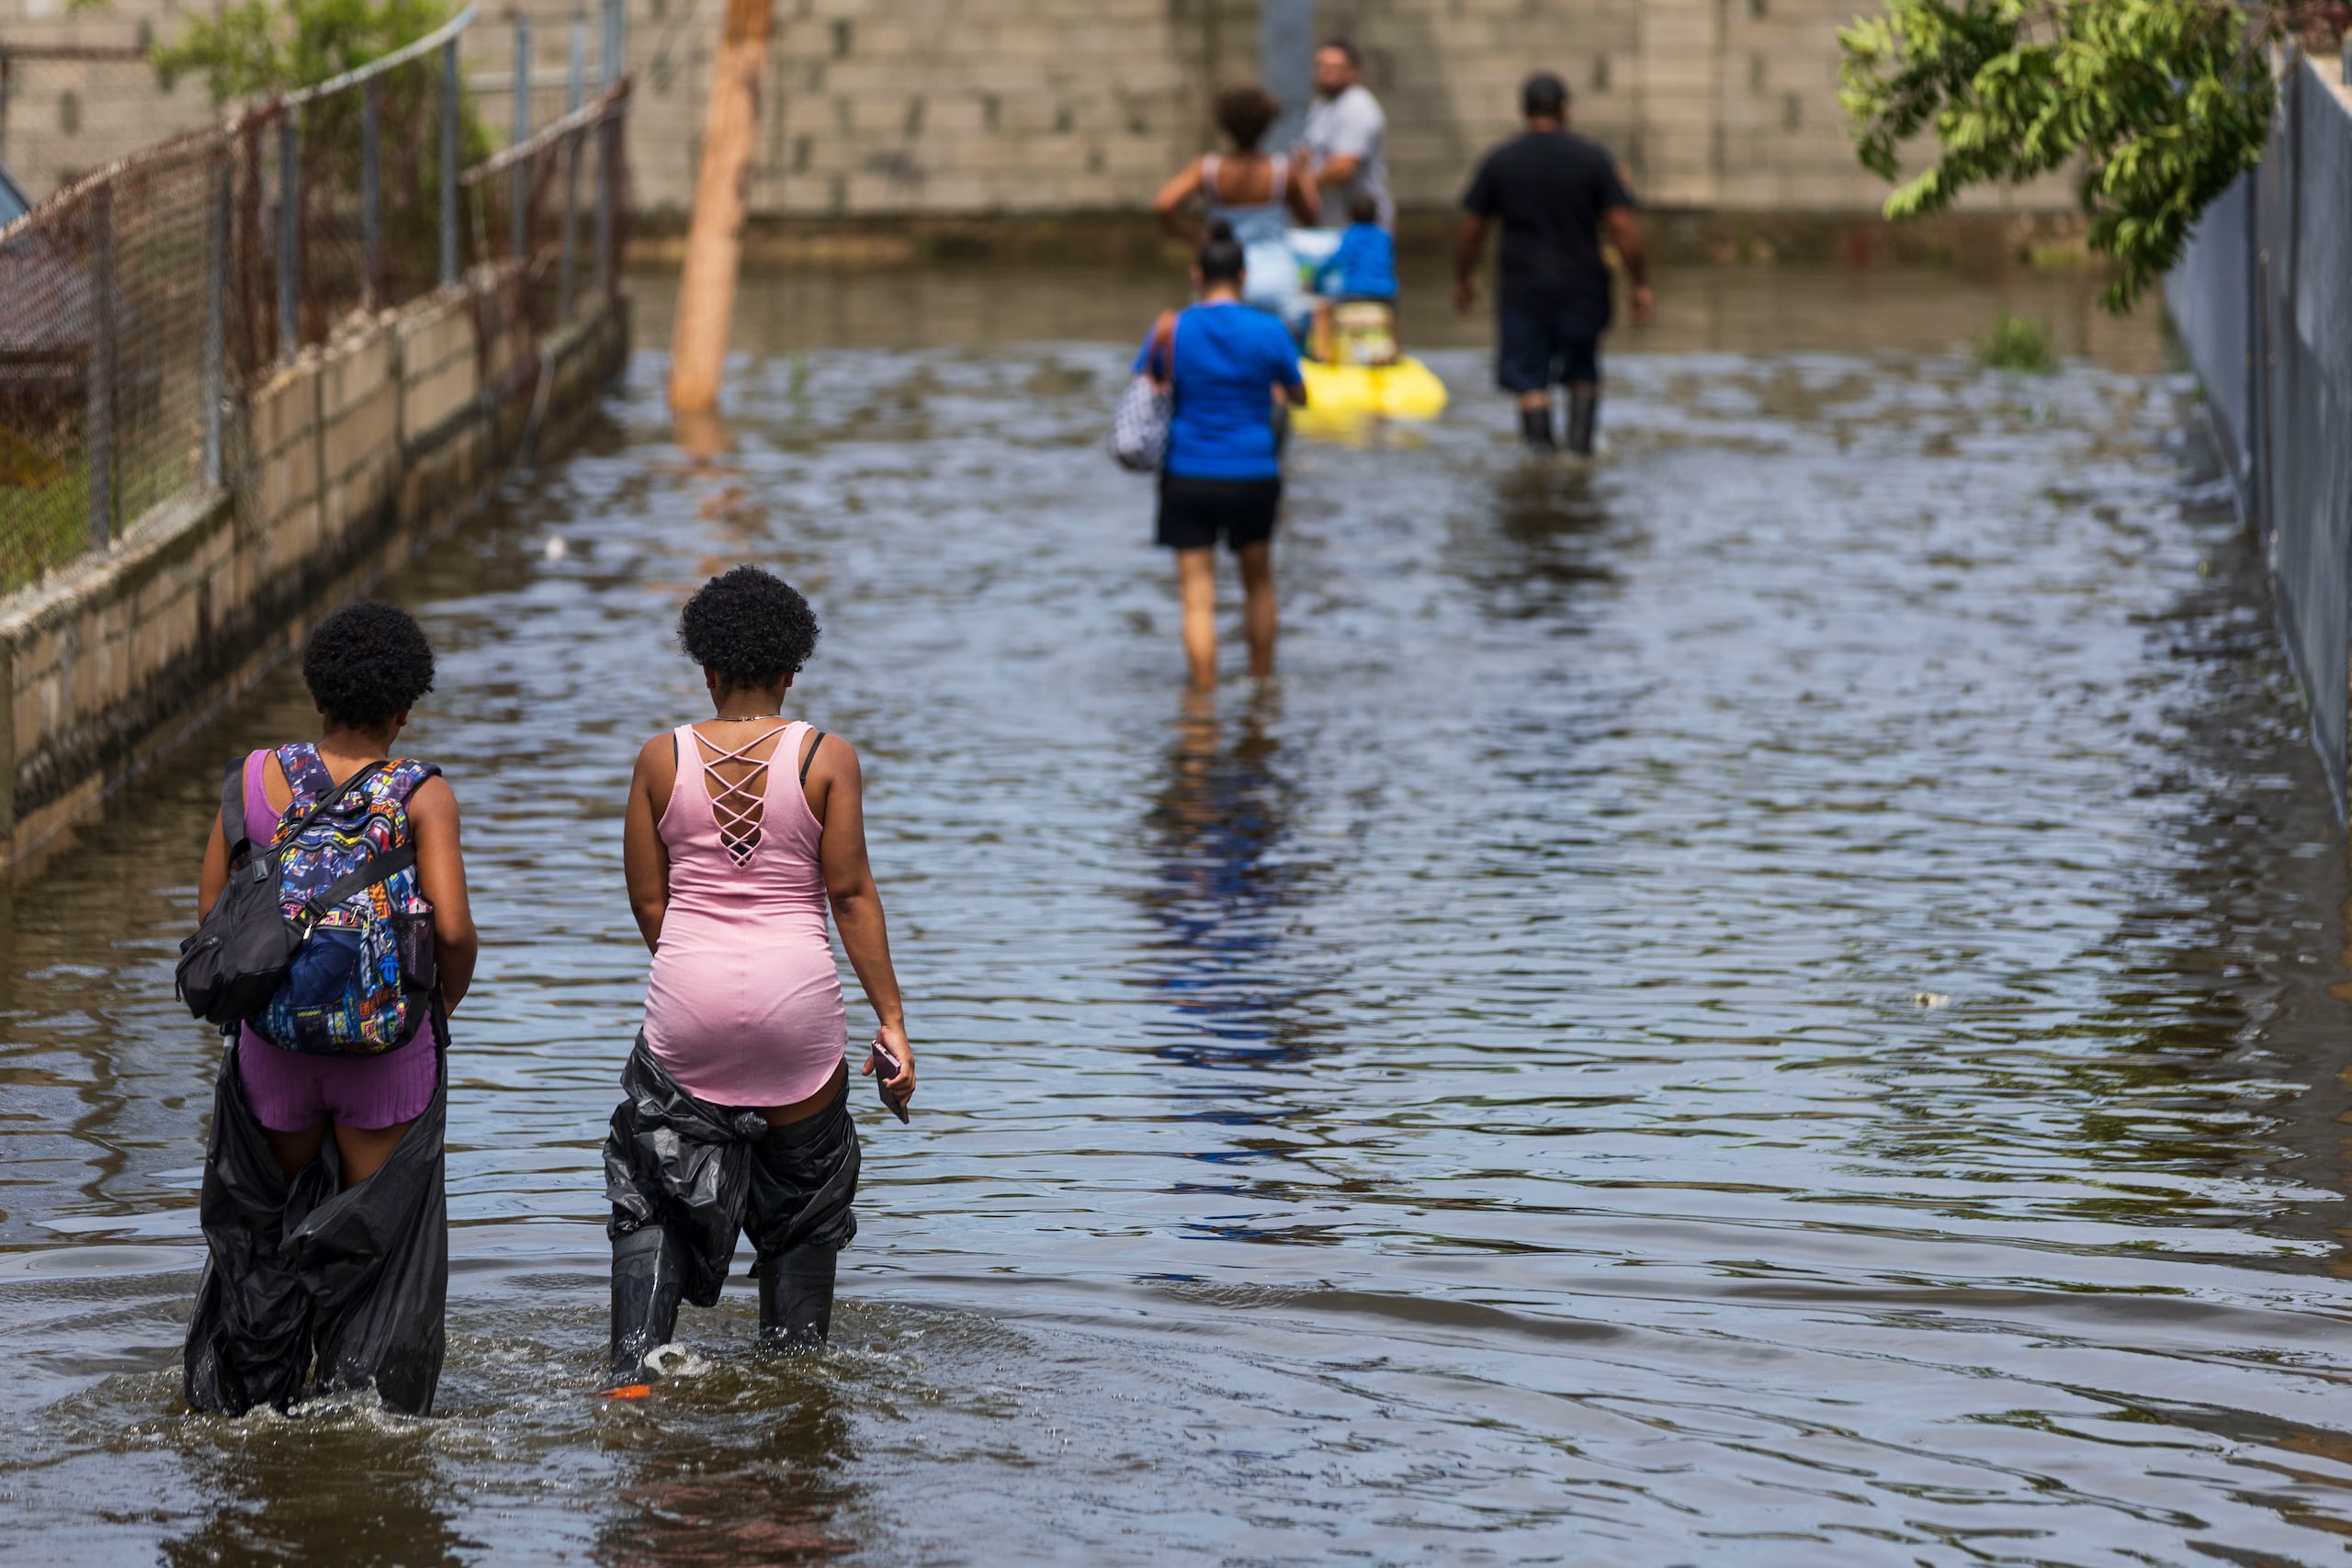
<point>139,305</point>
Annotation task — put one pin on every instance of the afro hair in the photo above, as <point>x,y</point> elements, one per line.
<point>368,662</point>
<point>1246,114</point>
<point>748,627</point>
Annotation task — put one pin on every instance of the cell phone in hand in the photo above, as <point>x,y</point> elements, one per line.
<point>886,1067</point>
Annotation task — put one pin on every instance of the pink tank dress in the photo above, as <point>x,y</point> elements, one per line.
<point>744,1005</point>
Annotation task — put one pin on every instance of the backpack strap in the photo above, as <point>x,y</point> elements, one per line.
<point>1160,362</point>
<point>306,772</point>
<point>360,878</point>
<point>232,810</point>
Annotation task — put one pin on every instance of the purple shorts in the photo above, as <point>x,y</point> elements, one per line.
<point>290,1091</point>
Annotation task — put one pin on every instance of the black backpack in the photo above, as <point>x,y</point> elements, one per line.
<point>238,957</point>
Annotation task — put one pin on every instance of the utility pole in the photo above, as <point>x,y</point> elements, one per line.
<point>714,238</point>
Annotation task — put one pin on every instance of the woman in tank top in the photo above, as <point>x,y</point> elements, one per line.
<point>1253,193</point>
<point>740,833</point>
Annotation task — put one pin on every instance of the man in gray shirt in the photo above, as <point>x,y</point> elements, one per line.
<point>1341,143</point>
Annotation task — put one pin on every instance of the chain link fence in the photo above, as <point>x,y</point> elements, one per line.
<point>2263,303</point>
<point>109,337</point>
<point>549,209</point>
<point>137,304</point>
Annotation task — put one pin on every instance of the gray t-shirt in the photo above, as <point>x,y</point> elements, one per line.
<point>1351,126</point>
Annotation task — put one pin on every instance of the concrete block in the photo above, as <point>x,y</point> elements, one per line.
<point>355,371</point>
<point>432,335</point>
<point>285,408</point>
<point>356,496</point>
<point>366,430</point>
<point>293,539</point>
<point>289,480</point>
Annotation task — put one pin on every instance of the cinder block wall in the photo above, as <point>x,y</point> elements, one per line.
<point>65,117</point>
<point>1032,108</point>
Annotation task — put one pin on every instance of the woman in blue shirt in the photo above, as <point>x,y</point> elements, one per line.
<point>1223,475</point>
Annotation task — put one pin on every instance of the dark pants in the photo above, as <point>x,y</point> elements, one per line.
<point>303,1270</point>
<point>1533,353</point>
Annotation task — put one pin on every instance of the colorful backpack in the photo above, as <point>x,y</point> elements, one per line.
<point>362,980</point>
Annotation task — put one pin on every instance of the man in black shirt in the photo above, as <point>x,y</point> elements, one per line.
<point>1553,193</point>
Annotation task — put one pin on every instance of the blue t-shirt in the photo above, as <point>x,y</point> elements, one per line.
<point>1229,359</point>
<point>1364,266</point>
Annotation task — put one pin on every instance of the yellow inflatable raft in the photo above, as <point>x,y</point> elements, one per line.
<point>1406,389</point>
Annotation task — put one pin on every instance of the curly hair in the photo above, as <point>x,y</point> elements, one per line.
<point>1245,114</point>
<point>748,627</point>
<point>367,663</point>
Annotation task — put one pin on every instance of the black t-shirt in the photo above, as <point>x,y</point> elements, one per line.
<point>1549,188</point>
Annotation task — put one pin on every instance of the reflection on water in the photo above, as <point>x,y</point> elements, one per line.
<point>274,1489</point>
<point>1774,1001</point>
<point>1221,894</point>
<point>754,1470</point>
<point>1548,543</point>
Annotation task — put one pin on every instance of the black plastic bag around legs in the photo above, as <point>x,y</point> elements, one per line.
<point>295,1271</point>
<point>649,1281</point>
<point>804,1181</point>
<point>695,1175</point>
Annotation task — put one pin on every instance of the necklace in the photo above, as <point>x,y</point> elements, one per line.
<point>743,717</point>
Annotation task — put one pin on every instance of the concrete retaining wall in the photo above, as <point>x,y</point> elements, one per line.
<point>349,452</point>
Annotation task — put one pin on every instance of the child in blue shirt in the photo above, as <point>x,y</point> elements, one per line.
<point>1362,272</point>
<point>1365,267</point>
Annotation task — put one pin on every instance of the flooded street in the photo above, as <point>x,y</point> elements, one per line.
<point>1770,1004</point>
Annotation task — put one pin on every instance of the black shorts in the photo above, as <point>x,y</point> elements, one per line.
<point>1533,351</point>
<point>1194,513</point>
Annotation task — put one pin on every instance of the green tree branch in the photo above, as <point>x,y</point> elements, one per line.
<point>2163,102</point>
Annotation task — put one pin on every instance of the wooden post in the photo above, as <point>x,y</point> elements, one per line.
<point>714,238</point>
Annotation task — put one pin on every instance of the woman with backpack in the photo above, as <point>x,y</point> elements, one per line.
<point>323,1211</point>
<point>1226,366</point>
<point>740,833</point>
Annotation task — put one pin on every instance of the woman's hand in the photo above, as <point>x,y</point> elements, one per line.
<point>892,1038</point>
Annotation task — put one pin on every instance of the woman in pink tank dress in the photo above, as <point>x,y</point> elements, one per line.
<point>741,831</point>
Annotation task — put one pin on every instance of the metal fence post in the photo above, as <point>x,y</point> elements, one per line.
<point>607,175</point>
<point>216,322</point>
<point>521,176</point>
<point>573,91</point>
<point>371,192</point>
<point>97,428</point>
<point>449,162</point>
<point>289,235</point>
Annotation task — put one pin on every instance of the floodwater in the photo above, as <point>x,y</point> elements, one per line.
<point>1772,1004</point>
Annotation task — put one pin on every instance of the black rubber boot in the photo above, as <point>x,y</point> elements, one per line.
<point>1535,427</point>
<point>649,1280</point>
<point>1584,414</point>
<point>797,1298</point>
